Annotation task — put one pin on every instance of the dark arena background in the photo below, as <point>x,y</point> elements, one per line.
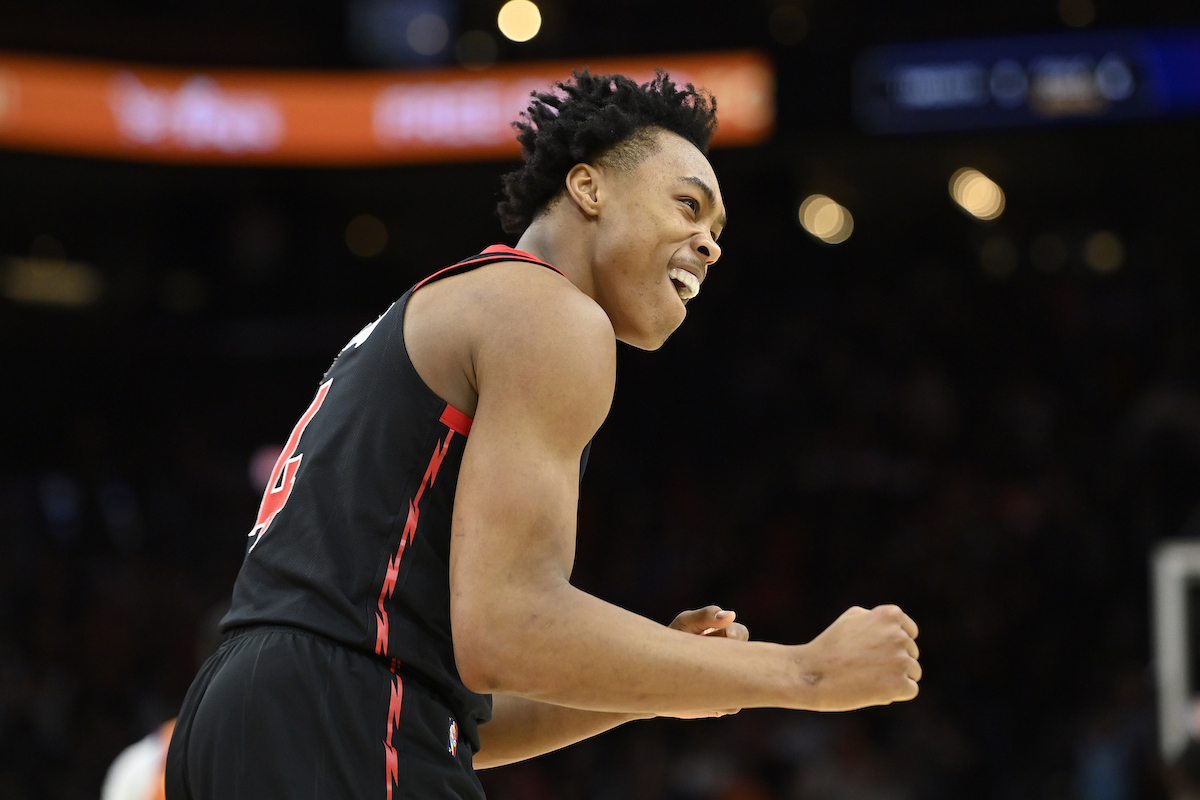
<point>973,394</point>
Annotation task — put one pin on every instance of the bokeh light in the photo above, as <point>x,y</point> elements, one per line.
<point>47,247</point>
<point>1077,13</point>
<point>183,291</point>
<point>825,219</point>
<point>1104,252</point>
<point>998,257</point>
<point>8,93</point>
<point>262,464</point>
<point>47,281</point>
<point>428,34</point>
<point>977,193</point>
<point>787,24</point>
<point>519,20</point>
<point>476,50</point>
<point>366,236</point>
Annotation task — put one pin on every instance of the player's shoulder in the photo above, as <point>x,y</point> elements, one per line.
<point>531,299</point>
<point>539,325</point>
<point>544,357</point>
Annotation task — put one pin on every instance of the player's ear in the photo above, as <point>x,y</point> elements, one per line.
<point>583,188</point>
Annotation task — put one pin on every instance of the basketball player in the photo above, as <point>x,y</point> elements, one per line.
<point>404,614</point>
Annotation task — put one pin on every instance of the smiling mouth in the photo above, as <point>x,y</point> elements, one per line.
<point>686,284</point>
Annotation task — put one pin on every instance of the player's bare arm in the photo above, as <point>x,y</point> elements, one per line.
<point>521,728</point>
<point>520,627</point>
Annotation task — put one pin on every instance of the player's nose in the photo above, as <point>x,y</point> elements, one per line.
<point>708,248</point>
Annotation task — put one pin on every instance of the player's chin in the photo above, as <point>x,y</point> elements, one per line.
<point>649,342</point>
<point>654,335</point>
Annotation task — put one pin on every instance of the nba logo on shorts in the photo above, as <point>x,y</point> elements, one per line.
<point>452,746</point>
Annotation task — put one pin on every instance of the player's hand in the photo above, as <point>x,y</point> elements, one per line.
<point>865,658</point>
<point>710,621</point>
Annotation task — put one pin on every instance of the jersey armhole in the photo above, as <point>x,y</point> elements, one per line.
<point>457,420</point>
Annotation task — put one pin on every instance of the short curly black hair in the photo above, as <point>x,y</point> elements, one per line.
<point>594,118</point>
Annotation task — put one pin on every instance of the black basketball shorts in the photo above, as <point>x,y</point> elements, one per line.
<point>281,713</point>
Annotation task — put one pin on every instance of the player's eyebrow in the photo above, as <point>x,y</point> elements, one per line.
<point>709,195</point>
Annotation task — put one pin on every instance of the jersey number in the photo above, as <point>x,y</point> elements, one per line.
<point>284,474</point>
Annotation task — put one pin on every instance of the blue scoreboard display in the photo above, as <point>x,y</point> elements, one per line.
<point>1028,80</point>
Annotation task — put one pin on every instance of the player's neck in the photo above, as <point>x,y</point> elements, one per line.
<point>561,243</point>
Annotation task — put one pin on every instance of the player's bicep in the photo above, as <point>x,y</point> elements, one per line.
<point>544,389</point>
<point>545,385</point>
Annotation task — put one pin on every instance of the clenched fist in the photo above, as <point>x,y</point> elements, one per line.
<point>865,658</point>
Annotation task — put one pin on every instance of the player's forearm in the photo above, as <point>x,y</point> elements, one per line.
<point>521,728</point>
<point>562,646</point>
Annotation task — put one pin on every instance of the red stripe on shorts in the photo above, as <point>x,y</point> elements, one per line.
<point>393,722</point>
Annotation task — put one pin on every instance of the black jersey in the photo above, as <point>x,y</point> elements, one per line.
<point>352,541</point>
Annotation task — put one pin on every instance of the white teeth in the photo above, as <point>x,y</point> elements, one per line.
<point>691,286</point>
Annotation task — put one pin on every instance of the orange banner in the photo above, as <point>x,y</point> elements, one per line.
<point>327,118</point>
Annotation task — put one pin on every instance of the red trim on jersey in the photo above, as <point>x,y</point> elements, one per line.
<point>410,530</point>
<point>512,253</point>
<point>520,255</point>
<point>435,275</point>
<point>456,421</point>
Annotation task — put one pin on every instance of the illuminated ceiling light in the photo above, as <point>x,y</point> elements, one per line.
<point>519,20</point>
<point>977,193</point>
<point>427,34</point>
<point>825,219</point>
<point>366,236</point>
<point>51,281</point>
<point>1104,252</point>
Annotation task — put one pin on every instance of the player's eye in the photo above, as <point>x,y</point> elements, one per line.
<point>692,204</point>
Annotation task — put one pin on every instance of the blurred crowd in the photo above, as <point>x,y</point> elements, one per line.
<point>994,453</point>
